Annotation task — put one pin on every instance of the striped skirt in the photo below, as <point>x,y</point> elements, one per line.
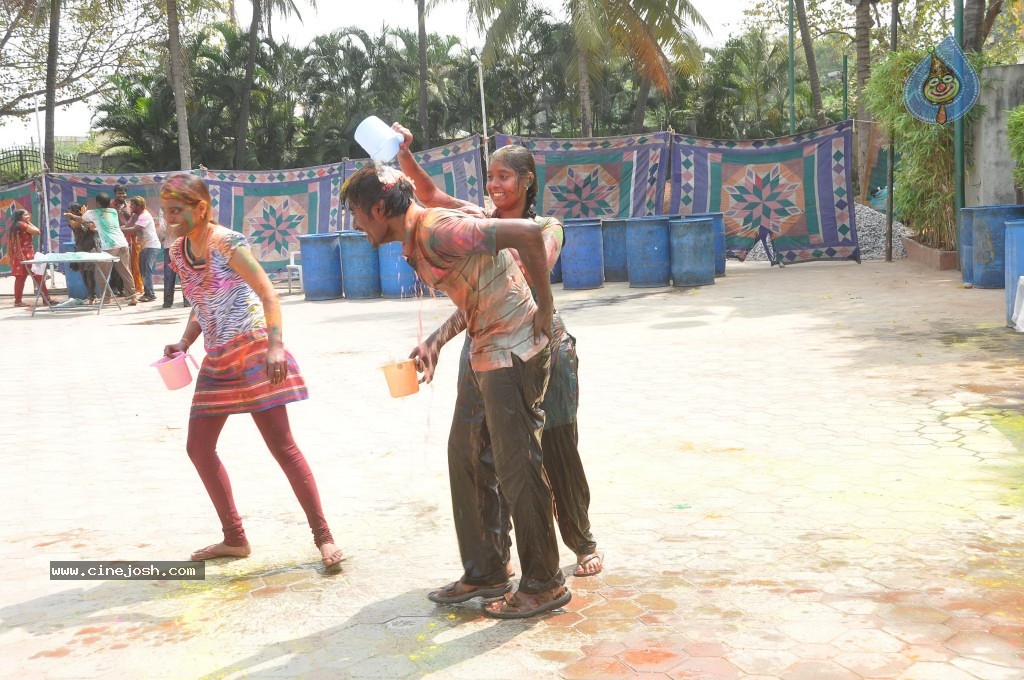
<point>233,379</point>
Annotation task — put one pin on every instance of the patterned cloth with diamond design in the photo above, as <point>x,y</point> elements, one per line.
<point>21,196</point>
<point>599,177</point>
<point>795,191</point>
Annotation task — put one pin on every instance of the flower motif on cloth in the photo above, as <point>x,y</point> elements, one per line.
<point>762,201</point>
<point>273,224</point>
<point>583,194</point>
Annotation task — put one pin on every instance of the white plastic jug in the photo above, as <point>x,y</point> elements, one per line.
<point>174,370</point>
<point>378,139</point>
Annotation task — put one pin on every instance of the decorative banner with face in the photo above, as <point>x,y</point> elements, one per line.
<point>943,87</point>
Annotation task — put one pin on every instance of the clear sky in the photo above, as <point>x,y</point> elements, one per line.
<point>723,16</point>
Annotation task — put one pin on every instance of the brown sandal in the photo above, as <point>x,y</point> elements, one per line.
<point>460,591</point>
<point>520,605</point>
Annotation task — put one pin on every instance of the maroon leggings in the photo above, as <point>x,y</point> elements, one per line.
<point>19,287</point>
<point>273,425</point>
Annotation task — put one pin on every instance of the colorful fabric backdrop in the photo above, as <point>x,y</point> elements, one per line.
<point>600,177</point>
<point>796,191</point>
<point>455,168</point>
<point>81,188</point>
<point>274,208</point>
<point>23,196</point>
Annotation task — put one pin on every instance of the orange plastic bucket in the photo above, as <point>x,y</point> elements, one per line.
<point>174,370</point>
<point>402,378</point>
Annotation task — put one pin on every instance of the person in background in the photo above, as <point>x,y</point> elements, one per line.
<point>246,369</point>
<point>170,277</point>
<point>143,227</point>
<point>104,221</point>
<point>124,214</point>
<point>85,242</point>
<point>19,248</point>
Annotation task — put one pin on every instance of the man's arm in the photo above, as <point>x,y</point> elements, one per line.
<point>130,227</point>
<point>428,351</point>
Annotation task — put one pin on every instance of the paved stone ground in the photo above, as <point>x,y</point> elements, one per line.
<point>807,473</point>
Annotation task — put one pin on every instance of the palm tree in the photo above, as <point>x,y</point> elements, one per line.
<point>862,40</point>
<point>812,64</point>
<point>669,29</point>
<point>632,26</point>
<point>52,51</point>
<point>421,13</point>
<point>174,62</point>
<point>262,11</point>
<point>136,117</point>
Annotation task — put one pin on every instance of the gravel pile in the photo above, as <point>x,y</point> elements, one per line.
<point>870,236</point>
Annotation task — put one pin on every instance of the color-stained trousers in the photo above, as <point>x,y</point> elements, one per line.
<point>495,460</point>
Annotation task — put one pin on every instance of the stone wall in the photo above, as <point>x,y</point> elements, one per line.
<point>989,166</point>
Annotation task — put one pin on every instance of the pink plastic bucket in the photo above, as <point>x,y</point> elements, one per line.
<point>174,370</point>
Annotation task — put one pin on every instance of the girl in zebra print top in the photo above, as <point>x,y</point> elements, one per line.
<point>246,368</point>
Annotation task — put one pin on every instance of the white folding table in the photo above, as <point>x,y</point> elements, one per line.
<point>51,260</point>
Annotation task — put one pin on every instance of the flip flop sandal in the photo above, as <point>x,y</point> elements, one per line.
<point>439,597</point>
<point>587,560</point>
<point>510,611</point>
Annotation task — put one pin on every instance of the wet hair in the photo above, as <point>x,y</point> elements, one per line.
<point>139,201</point>
<point>75,207</point>
<point>189,189</point>
<point>520,161</point>
<point>373,183</point>
<point>102,200</point>
<point>120,187</point>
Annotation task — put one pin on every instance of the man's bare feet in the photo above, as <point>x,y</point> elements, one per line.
<point>331,555</point>
<point>212,552</point>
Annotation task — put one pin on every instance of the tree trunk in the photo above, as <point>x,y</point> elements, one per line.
<point>990,19</point>
<point>175,65</point>
<point>812,64</point>
<point>974,15</point>
<point>232,16</point>
<point>52,51</point>
<point>586,127</point>
<point>640,111</point>
<point>242,131</point>
<point>421,18</point>
<point>863,40</point>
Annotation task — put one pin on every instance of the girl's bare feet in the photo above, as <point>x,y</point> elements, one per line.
<point>331,555</point>
<point>212,552</point>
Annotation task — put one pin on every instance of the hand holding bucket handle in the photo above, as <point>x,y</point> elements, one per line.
<point>174,370</point>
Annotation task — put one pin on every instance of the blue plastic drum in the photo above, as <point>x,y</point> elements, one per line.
<point>397,277</point>
<point>647,252</point>
<point>613,234</point>
<point>718,220</point>
<point>321,266</point>
<point>582,255</point>
<point>692,247</point>
<point>360,266</point>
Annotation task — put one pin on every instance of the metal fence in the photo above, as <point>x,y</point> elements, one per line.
<point>22,162</point>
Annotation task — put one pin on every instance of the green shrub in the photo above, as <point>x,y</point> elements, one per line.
<point>1015,133</point>
<point>924,172</point>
